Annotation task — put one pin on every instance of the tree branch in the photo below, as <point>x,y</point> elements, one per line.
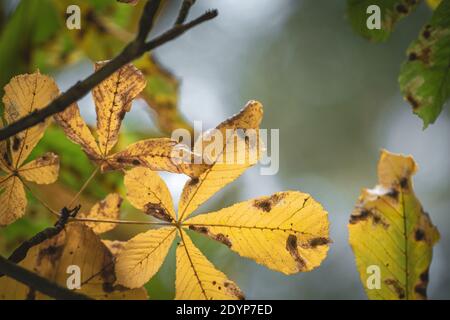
<point>38,283</point>
<point>21,251</point>
<point>132,51</point>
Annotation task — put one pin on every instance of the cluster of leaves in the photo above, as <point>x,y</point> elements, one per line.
<point>107,26</point>
<point>425,75</point>
<point>287,231</point>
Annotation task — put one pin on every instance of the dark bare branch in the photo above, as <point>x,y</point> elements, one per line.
<point>131,52</point>
<point>184,11</point>
<point>38,283</point>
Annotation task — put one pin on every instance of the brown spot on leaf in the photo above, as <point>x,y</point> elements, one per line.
<point>52,253</point>
<point>157,211</point>
<point>220,237</point>
<point>193,181</point>
<point>319,241</point>
<point>136,162</point>
<point>16,143</point>
<point>397,287</point>
<point>412,101</point>
<point>233,290</point>
<point>266,204</point>
<point>419,235</point>
<point>291,247</point>
<point>365,214</point>
<point>404,183</point>
<point>393,193</point>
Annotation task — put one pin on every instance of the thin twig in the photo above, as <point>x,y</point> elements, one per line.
<point>184,11</point>
<point>21,252</point>
<point>132,51</point>
<point>151,223</point>
<point>86,183</point>
<point>37,282</point>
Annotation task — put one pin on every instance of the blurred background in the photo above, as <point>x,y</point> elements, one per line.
<point>333,95</point>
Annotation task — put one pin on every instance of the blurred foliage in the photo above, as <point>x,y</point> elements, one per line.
<point>424,78</point>
<point>391,12</point>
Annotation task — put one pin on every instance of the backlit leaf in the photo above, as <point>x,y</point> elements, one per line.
<point>148,192</point>
<point>76,245</point>
<point>13,200</point>
<point>23,95</point>
<point>155,154</point>
<point>198,279</point>
<point>142,256</point>
<point>390,230</point>
<point>286,232</point>
<point>43,170</point>
<point>107,209</point>
<point>113,99</point>
<point>425,76</point>
<point>77,130</point>
<point>225,166</point>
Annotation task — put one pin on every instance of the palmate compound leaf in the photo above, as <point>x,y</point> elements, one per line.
<point>23,95</point>
<point>425,76</point>
<point>76,245</point>
<point>106,209</point>
<point>390,232</point>
<point>391,11</point>
<point>113,99</point>
<point>287,232</point>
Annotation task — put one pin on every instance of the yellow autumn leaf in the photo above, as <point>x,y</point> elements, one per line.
<point>146,191</point>
<point>107,209</point>
<point>76,245</point>
<point>198,279</point>
<point>78,131</point>
<point>226,165</point>
<point>43,170</point>
<point>13,200</point>
<point>142,256</point>
<point>286,232</point>
<point>24,94</point>
<point>113,98</point>
<point>391,235</point>
<point>155,154</point>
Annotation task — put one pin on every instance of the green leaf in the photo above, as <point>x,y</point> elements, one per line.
<point>425,76</point>
<point>391,12</point>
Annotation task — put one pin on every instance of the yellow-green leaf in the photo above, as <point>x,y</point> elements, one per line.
<point>391,235</point>
<point>286,232</point>
<point>198,279</point>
